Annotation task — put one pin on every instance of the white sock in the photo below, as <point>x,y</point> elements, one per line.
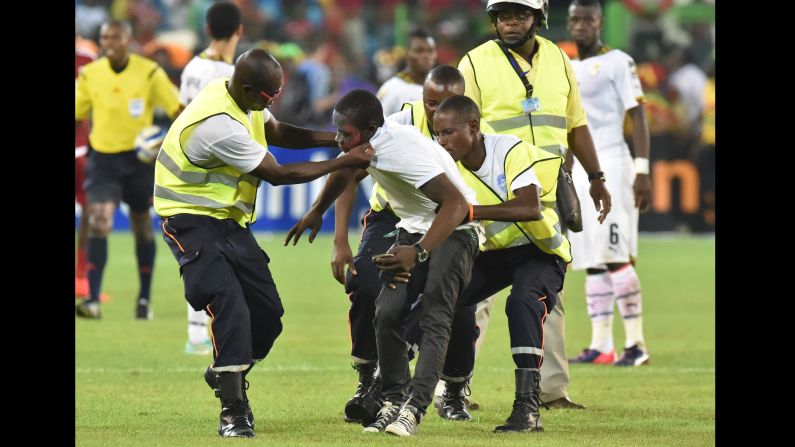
<point>627,288</point>
<point>197,325</point>
<point>600,298</point>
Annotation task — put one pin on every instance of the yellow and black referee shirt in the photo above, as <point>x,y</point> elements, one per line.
<point>122,104</point>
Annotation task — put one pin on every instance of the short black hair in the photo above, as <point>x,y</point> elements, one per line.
<point>445,75</point>
<point>420,33</point>
<point>362,109</point>
<point>462,105</point>
<point>123,24</point>
<point>223,19</point>
<point>588,3</point>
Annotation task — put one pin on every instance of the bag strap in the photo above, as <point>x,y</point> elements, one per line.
<point>528,87</point>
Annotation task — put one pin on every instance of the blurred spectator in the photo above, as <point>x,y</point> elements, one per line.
<point>686,87</point>
<point>406,85</point>
<point>89,16</point>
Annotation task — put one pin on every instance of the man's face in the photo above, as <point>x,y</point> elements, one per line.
<point>348,136</point>
<point>421,55</point>
<point>114,41</point>
<point>454,133</point>
<point>584,24</point>
<point>433,94</point>
<point>513,24</point>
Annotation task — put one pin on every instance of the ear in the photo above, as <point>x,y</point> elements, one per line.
<point>474,126</point>
<point>371,130</point>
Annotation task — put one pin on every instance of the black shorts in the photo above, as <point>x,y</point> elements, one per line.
<point>119,177</point>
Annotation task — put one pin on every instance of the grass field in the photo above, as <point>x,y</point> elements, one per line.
<point>135,386</point>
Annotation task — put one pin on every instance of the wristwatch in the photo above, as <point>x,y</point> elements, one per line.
<point>422,254</point>
<point>598,175</point>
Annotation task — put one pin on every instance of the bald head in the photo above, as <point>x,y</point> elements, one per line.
<point>257,79</point>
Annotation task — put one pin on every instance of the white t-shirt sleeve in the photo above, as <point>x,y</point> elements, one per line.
<point>225,139</point>
<point>627,82</point>
<point>526,178</point>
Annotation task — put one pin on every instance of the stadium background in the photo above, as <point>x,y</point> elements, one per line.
<point>359,44</point>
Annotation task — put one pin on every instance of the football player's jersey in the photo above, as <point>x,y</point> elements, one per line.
<point>609,86</point>
<point>198,73</point>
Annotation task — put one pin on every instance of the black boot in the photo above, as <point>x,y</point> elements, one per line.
<point>233,420</point>
<point>525,416</point>
<point>212,381</point>
<point>364,405</point>
<point>454,406</point>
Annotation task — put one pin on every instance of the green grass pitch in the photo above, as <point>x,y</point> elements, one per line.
<point>135,386</point>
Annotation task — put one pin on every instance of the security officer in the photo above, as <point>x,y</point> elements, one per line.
<point>524,85</point>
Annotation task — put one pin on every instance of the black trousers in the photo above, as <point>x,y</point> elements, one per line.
<point>363,288</point>
<point>449,271</point>
<point>226,273</point>
<point>535,278</point>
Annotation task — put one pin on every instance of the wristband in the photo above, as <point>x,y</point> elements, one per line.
<point>641,165</point>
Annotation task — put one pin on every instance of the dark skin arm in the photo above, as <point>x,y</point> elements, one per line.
<point>582,146</point>
<point>274,173</point>
<point>336,184</point>
<point>522,208</point>
<point>640,142</point>
<point>292,137</point>
<point>342,254</point>
<point>451,213</point>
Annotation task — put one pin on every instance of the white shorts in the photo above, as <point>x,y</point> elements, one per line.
<point>615,240</point>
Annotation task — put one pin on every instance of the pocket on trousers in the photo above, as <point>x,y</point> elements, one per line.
<point>187,257</point>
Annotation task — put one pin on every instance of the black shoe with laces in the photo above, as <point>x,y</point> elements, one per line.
<point>212,381</point>
<point>524,415</point>
<point>364,405</point>
<point>454,405</point>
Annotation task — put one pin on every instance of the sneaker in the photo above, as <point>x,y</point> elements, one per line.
<point>386,415</point>
<point>407,422</point>
<point>633,356</point>
<point>454,406</point>
<point>596,357</point>
<point>142,310</point>
<point>212,381</point>
<point>562,403</point>
<point>201,348</point>
<point>88,309</point>
<point>233,422</point>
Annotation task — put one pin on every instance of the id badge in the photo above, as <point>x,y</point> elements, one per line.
<point>136,107</point>
<point>531,105</point>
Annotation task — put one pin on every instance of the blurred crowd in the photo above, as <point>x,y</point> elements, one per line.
<point>329,47</point>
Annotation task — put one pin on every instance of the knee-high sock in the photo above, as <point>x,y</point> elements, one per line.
<point>600,298</point>
<point>97,253</point>
<point>627,289</point>
<point>197,325</point>
<point>145,252</point>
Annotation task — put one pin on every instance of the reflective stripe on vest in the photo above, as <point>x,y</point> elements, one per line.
<point>222,192</point>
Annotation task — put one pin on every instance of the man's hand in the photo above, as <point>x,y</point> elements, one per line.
<point>341,256</point>
<point>402,277</point>
<point>642,188</point>
<point>360,156</point>
<point>404,258</point>
<point>312,219</point>
<point>601,198</point>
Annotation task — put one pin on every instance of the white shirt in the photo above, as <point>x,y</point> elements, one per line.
<point>609,86</point>
<point>220,140</point>
<point>198,73</point>
<point>404,161</point>
<point>395,92</point>
<point>690,81</point>
<point>402,117</point>
<point>492,171</point>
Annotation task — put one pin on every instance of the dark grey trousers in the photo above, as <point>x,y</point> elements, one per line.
<point>449,272</point>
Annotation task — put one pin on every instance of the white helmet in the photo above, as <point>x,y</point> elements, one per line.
<point>500,5</point>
